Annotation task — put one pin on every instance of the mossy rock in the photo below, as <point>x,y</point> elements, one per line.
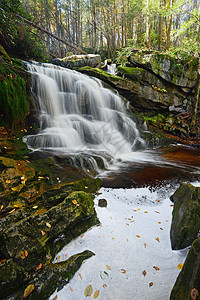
<point>185,216</point>
<point>189,277</point>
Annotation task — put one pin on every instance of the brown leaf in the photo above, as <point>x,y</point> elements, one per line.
<point>161,228</point>
<point>88,290</point>
<point>146,212</point>
<point>39,267</point>
<point>150,284</point>
<point>80,276</point>
<point>26,253</point>
<point>145,245</point>
<point>55,297</point>
<point>156,268</point>
<point>123,271</point>
<point>144,273</point>
<point>157,239</point>
<point>96,294</point>
<point>71,289</point>
<point>138,236</point>
<point>104,285</point>
<point>194,294</point>
<point>28,290</point>
<point>159,222</point>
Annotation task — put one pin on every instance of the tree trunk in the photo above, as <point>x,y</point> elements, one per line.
<point>196,102</point>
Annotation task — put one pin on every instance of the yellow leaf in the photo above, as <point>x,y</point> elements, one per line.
<point>7,181</point>
<point>28,290</point>
<point>138,236</point>
<point>157,239</point>
<point>146,212</point>
<point>96,294</point>
<point>145,245</point>
<point>1,207</point>
<point>48,225</point>
<point>22,255</point>
<point>74,202</point>
<point>42,232</point>
<point>26,253</point>
<point>34,207</point>
<point>88,290</point>
<point>56,297</point>
<point>71,289</point>
<point>80,276</point>
<point>14,189</point>
<point>108,267</point>
<point>10,212</point>
<point>180,266</point>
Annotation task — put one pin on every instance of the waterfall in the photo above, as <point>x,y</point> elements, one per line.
<point>112,69</point>
<point>80,118</point>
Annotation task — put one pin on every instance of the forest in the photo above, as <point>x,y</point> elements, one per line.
<point>98,26</point>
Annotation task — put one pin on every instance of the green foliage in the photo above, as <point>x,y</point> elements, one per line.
<point>121,56</point>
<point>15,37</point>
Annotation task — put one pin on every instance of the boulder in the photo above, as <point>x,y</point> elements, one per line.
<point>188,281</point>
<point>185,217</point>
<point>78,61</point>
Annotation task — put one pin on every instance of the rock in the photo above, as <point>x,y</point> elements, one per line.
<point>102,203</point>
<point>189,277</point>
<point>171,69</point>
<point>185,217</point>
<point>78,61</point>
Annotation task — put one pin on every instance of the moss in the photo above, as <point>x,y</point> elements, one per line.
<point>14,105</point>
<point>100,72</point>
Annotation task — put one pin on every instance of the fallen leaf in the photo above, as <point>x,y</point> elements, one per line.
<point>48,225</point>
<point>180,266</point>
<point>108,267</point>
<point>161,228</point>
<point>132,221</point>
<point>14,189</point>
<point>158,200</point>
<point>10,212</point>
<point>167,220</point>
<point>194,294</point>
<point>157,239</point>
<point>71,289</point>
<point>1,207</point>
<point>156,268</point>
<point>138,236</point>
<point>96,294</point>
<point>159,222</point>
<point>145,212</point>
<point>123,271</point>
<point>74,202</point>
<point>80,276</point>
<point>39,267</point>
<point>82,235</point>
<point>8,181</point>
<point>22,255</point>
<point>150,284</point>
<point>138,209</point>
<point>171,205</point>
<point>145,245</point>
<point>157,212</point>
<point>144,273</point>
<point>34,207</point>
<point>104,285</point>
<point>88,290</point>
<point>26,253</point>
<point>42,232</point>
<point>28,290</point>
<point>55,297</point>
<point>127,224</point>
<point>3,260</point>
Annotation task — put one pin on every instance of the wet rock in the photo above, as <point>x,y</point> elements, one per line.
<point>102,203</point>
<point>185,217</point>
<point>189,277</point>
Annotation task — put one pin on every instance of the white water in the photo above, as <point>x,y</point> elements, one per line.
<point>79,116</point>
<point>112,69</point>
<point>134,236</point>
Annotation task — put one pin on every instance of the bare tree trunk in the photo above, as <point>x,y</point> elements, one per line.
<point>148,27</point>
<point>196,101</point>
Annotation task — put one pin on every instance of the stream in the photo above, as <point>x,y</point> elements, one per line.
<point>133,259</point>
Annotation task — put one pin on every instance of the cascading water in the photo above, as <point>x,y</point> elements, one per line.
<point>80,118</point>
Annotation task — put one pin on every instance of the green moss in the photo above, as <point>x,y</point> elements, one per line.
<point>101,72</point>
<point>14,105</point>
